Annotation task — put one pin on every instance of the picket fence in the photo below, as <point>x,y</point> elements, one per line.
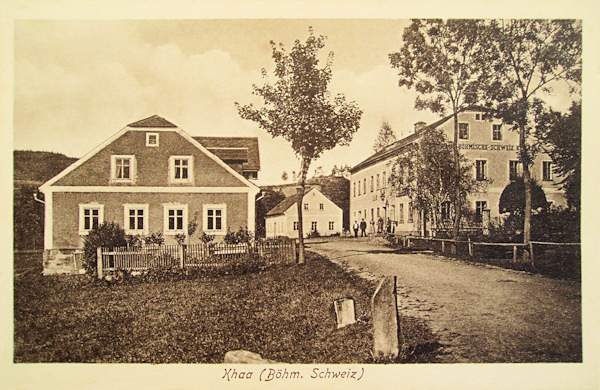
<point>268,252</point>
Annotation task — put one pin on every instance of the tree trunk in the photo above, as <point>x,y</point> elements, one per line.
<point>524,157</point>
<point>302,182</point>
<point>457,208</point>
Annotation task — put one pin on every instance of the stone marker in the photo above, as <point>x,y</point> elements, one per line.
<point>241,356</point>
<point>344,311</point>
<point>385,320</point>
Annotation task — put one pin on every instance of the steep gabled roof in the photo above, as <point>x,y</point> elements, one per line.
<point>396,147</point>
<point>153,121</point>
<point>234,148</point>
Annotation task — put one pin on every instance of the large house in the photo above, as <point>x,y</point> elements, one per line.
<point>319,214</point>
<point>488,144</point>
<point>151,177</point>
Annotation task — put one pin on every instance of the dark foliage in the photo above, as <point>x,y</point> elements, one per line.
<point>28,219</point>
<point>106,235</point>
<point>512,199</point>
<point>39,166</point>
<point>270,199</point>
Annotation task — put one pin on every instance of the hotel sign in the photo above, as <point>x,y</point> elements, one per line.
<point>506,148</point>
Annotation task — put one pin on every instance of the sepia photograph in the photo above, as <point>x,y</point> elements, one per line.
<point>317,202</point>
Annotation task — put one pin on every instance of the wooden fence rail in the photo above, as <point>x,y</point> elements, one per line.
<point>268,252</point>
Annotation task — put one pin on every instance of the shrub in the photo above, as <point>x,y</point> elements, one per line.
<point>313,234</point>
<point>106,235</point>
<point>155,238</point>
<point>206,238</point>
<point>242,236</point>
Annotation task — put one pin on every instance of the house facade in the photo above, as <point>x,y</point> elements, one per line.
<point>319,214</point>
<point>488,144</point>
<point>151,177</point>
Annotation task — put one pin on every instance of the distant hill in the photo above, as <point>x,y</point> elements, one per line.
<point>34,168</point>
<point>336,188</point>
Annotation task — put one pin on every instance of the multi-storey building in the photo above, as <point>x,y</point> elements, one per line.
<point>488,144</point>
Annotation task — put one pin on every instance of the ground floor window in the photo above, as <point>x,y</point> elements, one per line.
<point>547,170</point>
<point>331,225</point>
<point>175,218</point>
<point>90,216</point>
<point>401,213</point>
<point>215,218</point>
<point>295,225</point>
<point>313,225</point>
<point>410,213</point>
<point>480,207</point>
<point>445,211</point>
<point>136,218</point>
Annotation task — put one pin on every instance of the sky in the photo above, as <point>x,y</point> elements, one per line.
<point>77,82</point>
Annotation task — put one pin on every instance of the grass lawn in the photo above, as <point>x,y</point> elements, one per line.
<point>283,313</point>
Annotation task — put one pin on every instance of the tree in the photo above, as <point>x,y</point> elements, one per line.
<point>299,108</point>
<point>441,60</point>
<point>425,173</point>
<point>512,199</point>
<point>385,137</point>
<point>560,136</point>
<point>527,58</point>
<point>284,176</point>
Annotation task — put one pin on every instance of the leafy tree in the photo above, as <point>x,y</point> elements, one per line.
<point>560,136</point>
<point>284,176</point>
<point>28,219</point>
<point>385,137</point>
<point>527,57</point>
<point>512,199</point>
<point>269,200</point>
<point>298,107</point>
<point>425,173</point>
<point>441,60</point>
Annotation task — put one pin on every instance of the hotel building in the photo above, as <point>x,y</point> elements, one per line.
<point>488,144</point>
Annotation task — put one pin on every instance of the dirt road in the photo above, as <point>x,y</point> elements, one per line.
<point>481,313</point>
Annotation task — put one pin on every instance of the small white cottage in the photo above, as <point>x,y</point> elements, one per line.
<point>319,214</point>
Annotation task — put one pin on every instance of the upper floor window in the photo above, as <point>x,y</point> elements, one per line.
<point>295,225</point>
<point>305,206</point>
<point>321,206</point>
<point>136,218</point>
<point>496,132</point>
<point>215,218</point>
<point>480,170</point>
<point>513,170</point>
<point>91,215</point>
<point>365,186</point>
<point>410,213</point>
<point>122,168</point>
<point>354,189</point>
<point>383,180</point>
<point>175,218</point>
<point>378,181</point>
<point>463,131</point>
<point>152,139</point>
<point>181,169</point>
<point>477,116</point>
<point>372,181</point>
<point>547,170</point>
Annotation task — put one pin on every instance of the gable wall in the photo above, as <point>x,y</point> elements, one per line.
<point>152,163</point>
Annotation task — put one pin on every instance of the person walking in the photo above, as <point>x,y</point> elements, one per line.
<point>355,228</point>
<point>363,228</point>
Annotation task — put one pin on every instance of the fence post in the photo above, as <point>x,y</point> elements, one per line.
<point>514,253</point>
<point>531,255</point>
<point>470,247</point>
<point>443,246</point>
<point>99,262</point>
<point>182,255</point>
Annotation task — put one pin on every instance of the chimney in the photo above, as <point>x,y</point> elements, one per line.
<point>419,125</point>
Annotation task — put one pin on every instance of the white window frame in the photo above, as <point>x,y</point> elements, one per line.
<point>131,206</point>
<point>113,168</point>
<point>174,206</point>
<point>485,169</point>
<point>82,208</point>
<point>484,203</point>
<point>223,208</point>
<point>468,130</point>
<point>190,168</point>
<point>550,172</point>
<point>501,132</point>
<point>148,136</point>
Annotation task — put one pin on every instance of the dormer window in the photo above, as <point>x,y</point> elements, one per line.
<point>152,139</point>
<point>181,169</point>
<point>122,169</point>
